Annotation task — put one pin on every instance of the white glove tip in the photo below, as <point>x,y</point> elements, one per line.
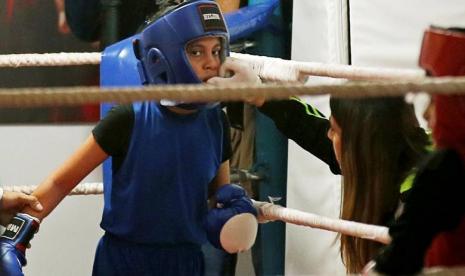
<point>239,233</point>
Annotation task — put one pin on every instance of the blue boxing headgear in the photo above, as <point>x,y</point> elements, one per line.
<point>161,47</point>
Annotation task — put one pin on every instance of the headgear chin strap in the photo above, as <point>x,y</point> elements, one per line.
<point>161,47</point>
<point>443,54</point>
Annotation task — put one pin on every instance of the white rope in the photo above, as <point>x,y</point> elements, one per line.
<point>272,69</point>
<point>267,212</point>
<point>34,97</point>
<point>276,69</point>
<point>52,59</point>
<point>271,212</point>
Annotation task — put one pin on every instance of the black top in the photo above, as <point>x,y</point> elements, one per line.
<point>435,204</point>
<point>113,134</point>
<point>306,126</point>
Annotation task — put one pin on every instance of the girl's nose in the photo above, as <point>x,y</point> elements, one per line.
<point>212,62</point>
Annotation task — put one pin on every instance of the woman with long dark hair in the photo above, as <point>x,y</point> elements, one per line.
<point>377,143</point>
<point>374,143</point>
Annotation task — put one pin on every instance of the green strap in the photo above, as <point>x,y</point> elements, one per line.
<point>310,110</point>
<point>430,147</point>
<point>408,181</point>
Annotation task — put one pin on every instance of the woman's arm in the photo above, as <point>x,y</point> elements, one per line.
<point>297,120</point>
<point>305,125</point>
<point>58,185</point>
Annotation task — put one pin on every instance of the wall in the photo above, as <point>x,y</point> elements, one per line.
<point>317,35</point>
<point>67,239</point>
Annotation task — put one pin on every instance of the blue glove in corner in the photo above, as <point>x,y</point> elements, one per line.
<point>232,200</point>
<point>13,244</point>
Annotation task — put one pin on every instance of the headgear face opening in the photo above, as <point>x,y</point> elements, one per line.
<point>162,45</point>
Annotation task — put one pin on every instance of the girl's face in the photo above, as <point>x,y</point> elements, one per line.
<point>204,57</point>
<point>335,135</point>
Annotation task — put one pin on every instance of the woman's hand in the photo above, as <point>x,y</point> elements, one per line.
<point>234,71</point>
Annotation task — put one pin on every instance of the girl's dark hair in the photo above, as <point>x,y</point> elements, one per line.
<point>381,142</point>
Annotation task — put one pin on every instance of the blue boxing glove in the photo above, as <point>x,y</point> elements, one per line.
<point>232,225</point>
<point>13,244</point>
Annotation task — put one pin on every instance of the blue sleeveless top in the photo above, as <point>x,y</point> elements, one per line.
<point>159,194</point>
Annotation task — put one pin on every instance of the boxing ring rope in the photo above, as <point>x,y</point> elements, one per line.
<point>277,69</point>
<point>268,68</point>
<point>51,59</point>
<point>270,211</point>
<point>34,97</point>
<point>267,212</point>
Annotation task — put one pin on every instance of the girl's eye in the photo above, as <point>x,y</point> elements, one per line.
<point>216,52</point>
<point>195,53</point>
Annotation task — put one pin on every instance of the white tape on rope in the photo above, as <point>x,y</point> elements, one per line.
<point>270,212</point>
